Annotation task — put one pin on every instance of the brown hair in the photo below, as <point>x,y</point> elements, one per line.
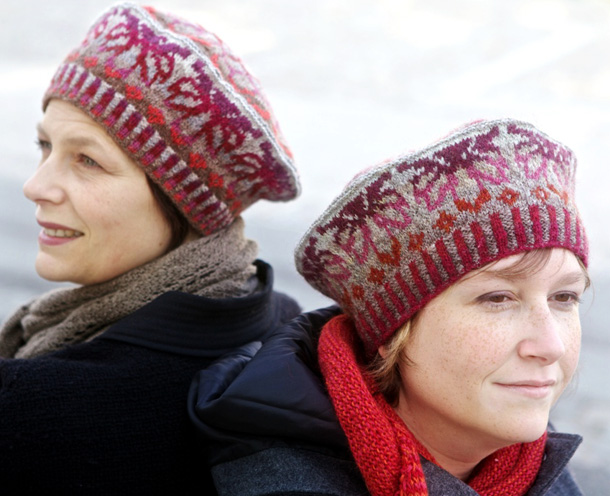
<point>178,224</point>
<point>386,369</point>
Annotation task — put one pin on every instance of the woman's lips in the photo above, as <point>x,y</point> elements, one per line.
<point>62,233</point>
<point>531,389</point>
<point>56,234</point>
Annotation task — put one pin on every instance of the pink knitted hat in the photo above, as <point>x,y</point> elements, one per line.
<point>183,107</point>
<point>401,233</point>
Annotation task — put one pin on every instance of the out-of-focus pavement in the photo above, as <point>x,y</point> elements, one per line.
<point>354,82</point>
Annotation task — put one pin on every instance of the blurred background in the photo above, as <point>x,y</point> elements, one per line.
<point>353,82</point>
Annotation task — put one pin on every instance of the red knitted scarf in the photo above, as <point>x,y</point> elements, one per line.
<point>386,452</point>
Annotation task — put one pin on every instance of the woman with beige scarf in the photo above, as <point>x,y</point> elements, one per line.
<point>154,139</point>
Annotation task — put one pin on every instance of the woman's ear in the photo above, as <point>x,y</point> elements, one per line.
<point>383,351</point>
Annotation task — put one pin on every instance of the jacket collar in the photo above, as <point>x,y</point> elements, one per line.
<point>559,450</point>
<point>193,325</point>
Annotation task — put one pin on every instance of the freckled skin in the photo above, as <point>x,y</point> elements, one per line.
<point>479,335</point>
<point>86,183</point>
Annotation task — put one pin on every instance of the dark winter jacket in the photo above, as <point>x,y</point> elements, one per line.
<point>269,427</point>
<point>108,417</point>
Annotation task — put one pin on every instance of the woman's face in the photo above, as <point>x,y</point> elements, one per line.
<point>96,210</point>
<point>491,355</point>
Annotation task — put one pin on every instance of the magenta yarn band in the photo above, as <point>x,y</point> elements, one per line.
<point>403,232</point>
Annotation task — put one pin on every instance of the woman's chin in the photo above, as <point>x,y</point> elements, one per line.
<point>526,430</point>
<point>52,270</point>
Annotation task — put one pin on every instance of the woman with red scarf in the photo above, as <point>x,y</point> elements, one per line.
<point>459,270</point>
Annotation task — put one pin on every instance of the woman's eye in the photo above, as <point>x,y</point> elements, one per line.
<point>566,298</point>
<point>496,298</point>
<point>43,144</point>
<point>88,161</point>
<point>496,301</point>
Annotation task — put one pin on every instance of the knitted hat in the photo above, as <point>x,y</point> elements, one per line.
<point>401,233</point>
<point>184,108</point>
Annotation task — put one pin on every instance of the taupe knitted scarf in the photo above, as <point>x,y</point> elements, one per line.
<point>216,266</point>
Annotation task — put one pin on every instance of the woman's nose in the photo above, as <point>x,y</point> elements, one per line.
<point>45,184</point>
<point>545,336</point>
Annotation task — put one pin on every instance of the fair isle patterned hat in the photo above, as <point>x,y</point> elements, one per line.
<point>177,100</point>
<point>401,233</point>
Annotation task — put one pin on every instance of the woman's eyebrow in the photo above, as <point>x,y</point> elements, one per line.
<point>73,140</point>
<point>82,141</point>
<point>572,277</point>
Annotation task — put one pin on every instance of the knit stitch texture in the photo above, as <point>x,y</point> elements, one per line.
<point>177,100</point>
<point>401,233</point>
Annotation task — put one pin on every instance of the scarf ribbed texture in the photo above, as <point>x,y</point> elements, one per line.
<point>386,452</point>
<point>215,266</point>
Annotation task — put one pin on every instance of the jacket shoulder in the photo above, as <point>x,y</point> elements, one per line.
<point>289,472</point>
<point>277,387</point>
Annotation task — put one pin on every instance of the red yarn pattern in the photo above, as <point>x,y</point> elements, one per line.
<point>386,452</point>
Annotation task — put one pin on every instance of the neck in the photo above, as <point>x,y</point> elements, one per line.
<point>459,468</point>
<point>458,456</point>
